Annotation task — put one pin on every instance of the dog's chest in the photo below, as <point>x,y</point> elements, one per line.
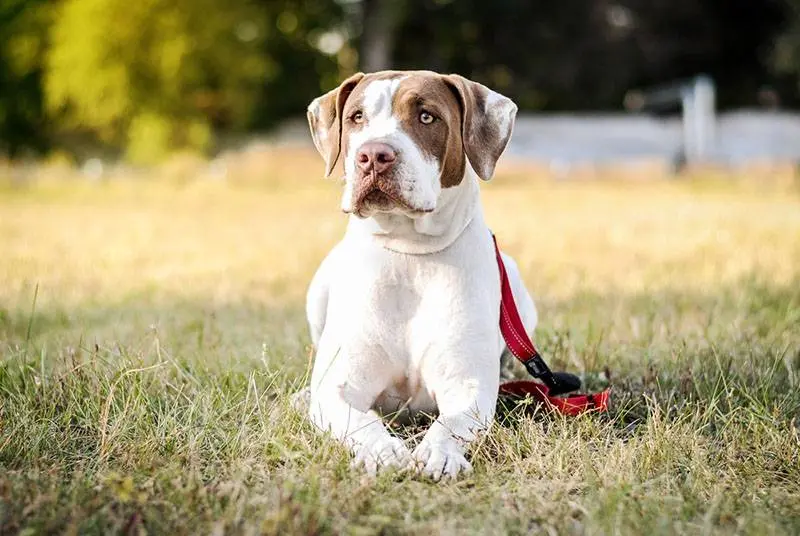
<point>384,302</point>
<point>392,310</point>
<point>405,318</point>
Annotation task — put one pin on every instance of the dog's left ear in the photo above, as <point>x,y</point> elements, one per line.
<point>325,119</point>
<point>487,120</point>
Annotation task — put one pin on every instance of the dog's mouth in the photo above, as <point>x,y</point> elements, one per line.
<point>377,193</point>
<point>376,198</point>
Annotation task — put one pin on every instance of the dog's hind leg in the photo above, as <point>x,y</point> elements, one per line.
<point>316,314</point>
<point>317,296</point>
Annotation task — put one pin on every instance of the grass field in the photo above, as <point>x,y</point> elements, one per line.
<point>152,332</point>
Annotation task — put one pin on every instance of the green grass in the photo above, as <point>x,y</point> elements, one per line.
<point>151,334</point>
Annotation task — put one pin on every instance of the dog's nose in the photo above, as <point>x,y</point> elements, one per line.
<point>375,156</point>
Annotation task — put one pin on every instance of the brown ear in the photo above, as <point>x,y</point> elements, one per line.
<point>325,119</point>
<point>487,120</point>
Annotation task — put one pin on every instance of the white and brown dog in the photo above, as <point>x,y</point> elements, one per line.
<point>404,311</point>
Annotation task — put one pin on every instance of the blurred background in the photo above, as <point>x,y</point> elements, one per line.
<point>651,83</point>
<point>162,212</point>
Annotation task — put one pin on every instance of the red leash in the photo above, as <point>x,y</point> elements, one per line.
<point>523,349</point>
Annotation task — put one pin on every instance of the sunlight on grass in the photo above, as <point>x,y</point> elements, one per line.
<point>147,386</point>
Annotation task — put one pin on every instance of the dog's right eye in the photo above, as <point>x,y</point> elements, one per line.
<point>357,117</point>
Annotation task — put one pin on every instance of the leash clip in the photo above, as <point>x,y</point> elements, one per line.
<point>537,368</point>
<point>557,383</point>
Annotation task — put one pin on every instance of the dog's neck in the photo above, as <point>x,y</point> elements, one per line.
<point>457,207</point>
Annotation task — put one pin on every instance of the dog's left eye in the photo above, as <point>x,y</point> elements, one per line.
<point>426,118</point>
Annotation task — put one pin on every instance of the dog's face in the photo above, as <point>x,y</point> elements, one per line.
<point>406,136</point>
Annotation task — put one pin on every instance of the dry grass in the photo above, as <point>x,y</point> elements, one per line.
<point>152,331</point>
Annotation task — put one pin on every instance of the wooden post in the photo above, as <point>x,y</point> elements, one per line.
<point>697,100</point>
<point>699,120</point>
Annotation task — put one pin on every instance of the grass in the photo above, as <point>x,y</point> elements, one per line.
<point>152,332</point>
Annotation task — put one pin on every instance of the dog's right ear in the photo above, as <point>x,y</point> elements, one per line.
<point>325,119</point>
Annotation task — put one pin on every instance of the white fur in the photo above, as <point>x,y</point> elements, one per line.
<point>500,109</point>
<point>417,176</point>
<point>404,314</point>
<point>396,330</point>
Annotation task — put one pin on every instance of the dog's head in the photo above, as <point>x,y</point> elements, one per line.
<point>406,136</point>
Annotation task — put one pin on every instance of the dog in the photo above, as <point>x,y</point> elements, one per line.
<point>404,310</point>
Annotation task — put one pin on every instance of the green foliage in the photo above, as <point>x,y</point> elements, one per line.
<point>298,71</point>
<point>142,71</point>
<point>149,76</point>
<point>23,25</point>
<point>148,137</point>
<point>162,74</point>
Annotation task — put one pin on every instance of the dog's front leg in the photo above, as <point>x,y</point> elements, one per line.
<point>466,404</point>
<point>340,403</point>
<point>362,431</point>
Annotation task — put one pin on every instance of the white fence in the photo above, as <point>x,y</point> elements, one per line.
<point>739,137</point>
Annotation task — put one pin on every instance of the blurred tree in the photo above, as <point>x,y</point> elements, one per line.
<point>23,30</point>
<point>309,53</point>
<point>160,75</point>
<point>577,55</point>
<point>152,76</point>
<point>379,20</point>
<point>786,56</point>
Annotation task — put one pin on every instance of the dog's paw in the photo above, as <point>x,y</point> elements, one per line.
<point>441,459</point>
<point>382,454</point>
<point>301,400</point>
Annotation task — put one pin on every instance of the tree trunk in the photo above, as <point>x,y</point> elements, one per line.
<point>378,22</point>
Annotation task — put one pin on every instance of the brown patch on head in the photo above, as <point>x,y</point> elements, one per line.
<point>427,93</point>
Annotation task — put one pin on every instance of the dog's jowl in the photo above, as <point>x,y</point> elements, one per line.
<point>404,311</point>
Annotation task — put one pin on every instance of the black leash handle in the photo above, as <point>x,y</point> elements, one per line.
<point>557,383</point>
